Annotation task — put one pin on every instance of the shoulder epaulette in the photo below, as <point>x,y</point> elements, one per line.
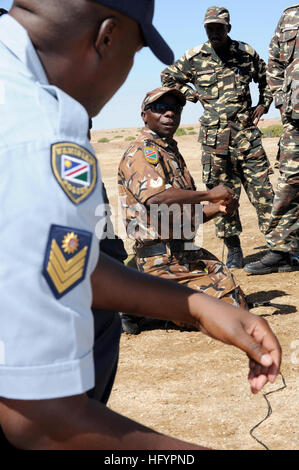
<point>246,48</point>
<point>194,51</point>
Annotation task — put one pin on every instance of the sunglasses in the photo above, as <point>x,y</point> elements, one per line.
<point>161,108</point>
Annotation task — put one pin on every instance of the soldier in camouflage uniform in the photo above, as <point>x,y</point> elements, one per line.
<point>283,79</point>
<point>220,71</point>
<point>152,174</point>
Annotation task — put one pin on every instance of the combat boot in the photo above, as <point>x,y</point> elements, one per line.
<point>234,254</point>
<point>130,324</point>
<point>295,258</point>
<point>272,262</point>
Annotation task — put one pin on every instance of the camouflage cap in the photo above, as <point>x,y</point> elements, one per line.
<point>217,15</point>
<point>155,94</point>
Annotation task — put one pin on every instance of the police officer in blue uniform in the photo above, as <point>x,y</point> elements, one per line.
<point>60,62</point>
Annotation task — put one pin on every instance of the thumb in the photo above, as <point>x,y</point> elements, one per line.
<point>254,349</point>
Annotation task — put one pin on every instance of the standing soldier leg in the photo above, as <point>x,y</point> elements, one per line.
<point>255,170</point>
<point>283,229</point>
<point>220,169</point>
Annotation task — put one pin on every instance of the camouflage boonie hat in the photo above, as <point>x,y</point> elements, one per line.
<point>154,95</point>
<point>217,15</point>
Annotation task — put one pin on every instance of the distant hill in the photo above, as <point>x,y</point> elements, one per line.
<point>269,122</point>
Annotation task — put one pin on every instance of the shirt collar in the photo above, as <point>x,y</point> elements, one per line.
<point>162,141</point>
<point>15,37</point>
<point>208,48</point>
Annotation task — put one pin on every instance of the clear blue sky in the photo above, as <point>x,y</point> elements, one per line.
<point>180,23</point>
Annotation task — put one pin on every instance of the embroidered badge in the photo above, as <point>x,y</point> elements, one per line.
<point>157,183</point>
<point>66,258</point>
<point>150,154</point>
<point>75,170</point>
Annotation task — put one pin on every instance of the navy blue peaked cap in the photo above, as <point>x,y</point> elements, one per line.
<point>142,11</point>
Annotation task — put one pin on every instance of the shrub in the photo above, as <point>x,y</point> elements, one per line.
<point>272,131</point>
<point>180,132</point>
<point>191,133</point>
<point>103,140</point>
<point>190,128</point>
<point>118,137</point>
<point>130,138</point>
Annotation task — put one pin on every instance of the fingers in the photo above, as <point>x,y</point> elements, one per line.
<point>265,356</point>
<point>254,349</point>
<point>259,342</point>
<point>248,332</point>
<point>258,376</point>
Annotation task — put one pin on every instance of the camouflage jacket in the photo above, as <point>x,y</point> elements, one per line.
<point>222,85</point>
<point>149,166</point>
<point>283,64</point>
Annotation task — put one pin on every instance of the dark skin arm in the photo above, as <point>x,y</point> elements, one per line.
<point>218,203</point>
<point>78,423</point>
<point>256,114</point>
<point>212,210</point>
<point>185,196</point>
<point>81,423</point>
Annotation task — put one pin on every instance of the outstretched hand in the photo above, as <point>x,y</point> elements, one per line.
<point>256,114</point>
<point>229,208</point>
<point>248,332</point>
<point>221,193</point>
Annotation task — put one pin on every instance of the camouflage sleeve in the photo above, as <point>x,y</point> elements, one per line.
<point>178,75</point>
<point>265,94</point>
<point>142,173</point>
<point>276,67</point>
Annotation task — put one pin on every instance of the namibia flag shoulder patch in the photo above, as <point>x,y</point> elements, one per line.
<point>151,155</point>
<point>75,169</point>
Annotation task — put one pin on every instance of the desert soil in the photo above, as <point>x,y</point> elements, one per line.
<point>185,384</point>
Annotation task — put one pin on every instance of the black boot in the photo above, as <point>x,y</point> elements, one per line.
<point>130,324</point>
<point>235,254</point>
<point>272,262</point>
<point>295,258</point>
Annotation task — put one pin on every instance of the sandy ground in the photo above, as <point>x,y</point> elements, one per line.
<point>187,385</point>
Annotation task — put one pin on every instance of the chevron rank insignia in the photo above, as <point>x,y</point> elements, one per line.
<point>151,155</point>
<point>66,258</point>
<point>75,169</point>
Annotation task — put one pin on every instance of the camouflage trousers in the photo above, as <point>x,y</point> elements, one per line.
<point>246,164</point>
<point>197,269</point>
<point>283,230</point>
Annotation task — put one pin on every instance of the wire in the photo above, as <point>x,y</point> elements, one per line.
<point>265,395</point>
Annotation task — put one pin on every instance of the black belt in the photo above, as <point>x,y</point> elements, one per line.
<point>146,251</point>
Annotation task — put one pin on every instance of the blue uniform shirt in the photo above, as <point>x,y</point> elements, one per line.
<point>49,190</point>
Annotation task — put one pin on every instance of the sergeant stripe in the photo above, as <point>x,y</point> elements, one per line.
<point>65,273</point>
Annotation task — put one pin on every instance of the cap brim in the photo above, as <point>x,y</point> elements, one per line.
<point>156,43</point>
<point>214,20</point>
<point>156,95</point>
<point>178,94</point>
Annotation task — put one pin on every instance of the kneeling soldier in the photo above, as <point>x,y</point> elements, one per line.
<point>153,181</point>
